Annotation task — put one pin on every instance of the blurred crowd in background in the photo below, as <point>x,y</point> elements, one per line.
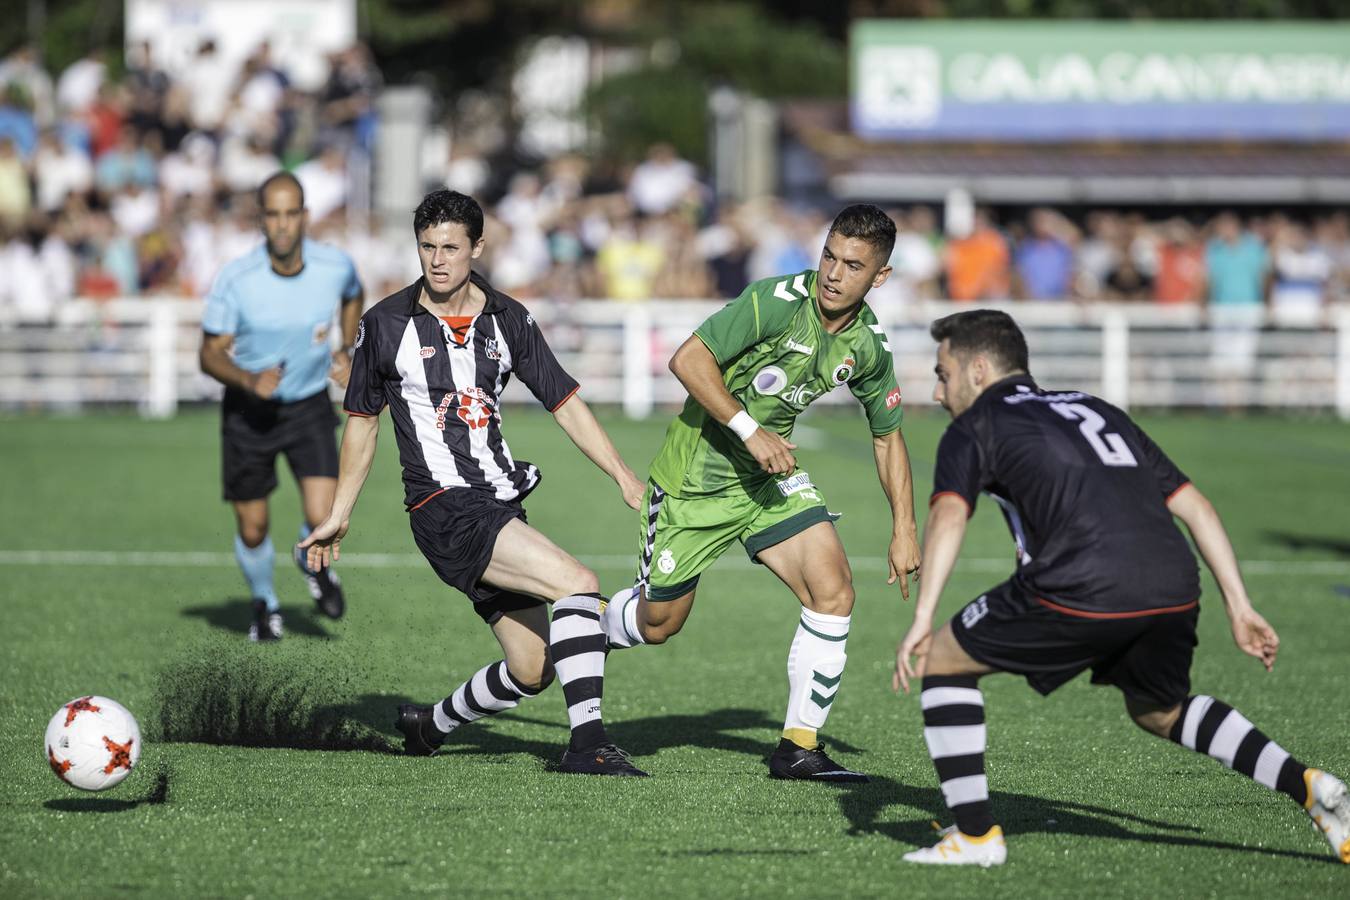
<point>145,185</point>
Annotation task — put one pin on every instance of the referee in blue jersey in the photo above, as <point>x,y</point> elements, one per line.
<point>266,337</point>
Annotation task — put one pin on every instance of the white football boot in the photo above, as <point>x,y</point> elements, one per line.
<point>1329,806</point>
<point>957,849</point>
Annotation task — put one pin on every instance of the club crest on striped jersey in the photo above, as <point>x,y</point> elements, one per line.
<point>427,352</point>
<point>491,350</point>
<point>844,371</point>
<point>360,334</point>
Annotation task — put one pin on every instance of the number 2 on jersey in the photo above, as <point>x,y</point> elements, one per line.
<point>1110,447</point>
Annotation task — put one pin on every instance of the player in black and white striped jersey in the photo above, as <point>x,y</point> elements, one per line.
<point>438,354</point>
<point>1104,581</point>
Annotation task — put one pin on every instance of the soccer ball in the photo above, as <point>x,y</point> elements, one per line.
<point>92,743</point>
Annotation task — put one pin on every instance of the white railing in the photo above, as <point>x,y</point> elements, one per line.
<point>144,353</point>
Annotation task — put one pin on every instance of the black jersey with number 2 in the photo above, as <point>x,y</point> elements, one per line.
<point>1084,492</point>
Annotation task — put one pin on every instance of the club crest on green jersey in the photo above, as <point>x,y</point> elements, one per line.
<point>845,370</point>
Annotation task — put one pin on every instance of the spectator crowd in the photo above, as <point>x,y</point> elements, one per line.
<point>144,185</point>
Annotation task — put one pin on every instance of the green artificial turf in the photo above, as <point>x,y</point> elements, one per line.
<point>1091,805</point>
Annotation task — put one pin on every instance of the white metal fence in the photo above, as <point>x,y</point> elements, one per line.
<point>143,353</point>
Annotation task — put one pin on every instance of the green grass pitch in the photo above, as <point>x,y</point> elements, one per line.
<point>142,603</point>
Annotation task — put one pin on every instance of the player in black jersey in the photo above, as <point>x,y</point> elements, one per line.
<point>1104,581</point>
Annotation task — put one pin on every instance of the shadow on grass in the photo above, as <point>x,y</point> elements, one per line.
<point>865,805</point>
<point>1338,544</point>
<point>158,794</point>
<point>235,615</point>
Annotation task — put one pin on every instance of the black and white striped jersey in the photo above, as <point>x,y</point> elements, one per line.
<point>443,389</point>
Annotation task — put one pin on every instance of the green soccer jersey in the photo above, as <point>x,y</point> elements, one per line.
<point>776,358</point>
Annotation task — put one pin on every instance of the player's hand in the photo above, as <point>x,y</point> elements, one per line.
<point>632,489</point>
<point>264,383</point>
<point>341,369</point>
<point>772,451</point>
<point>322,547</point>
<point>903,557</point>
<point>1255,637</point>
<point>916,643</point>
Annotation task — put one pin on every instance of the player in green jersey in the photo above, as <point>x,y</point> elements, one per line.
<point>726,471</point>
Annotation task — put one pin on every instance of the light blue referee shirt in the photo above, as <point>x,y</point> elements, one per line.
<point>281,319</point>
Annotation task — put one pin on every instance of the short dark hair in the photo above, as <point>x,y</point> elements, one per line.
<point>277,178</point>
<point>443,206</point>
<point>986,331</point>
<point>866,223</point>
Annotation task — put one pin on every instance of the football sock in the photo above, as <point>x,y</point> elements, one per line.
<point>953,728</point>
<point>300,556</point>
<point>256,563</point>
<point>619,620</point>
<point>815,666</point>
<point>491,690</point>
<point>577,643</point>
<point>1214,728</point>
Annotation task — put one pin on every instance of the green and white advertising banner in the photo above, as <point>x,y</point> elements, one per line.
<point>1057,81</point>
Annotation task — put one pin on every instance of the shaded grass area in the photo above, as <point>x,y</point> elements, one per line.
<point>267,769</point>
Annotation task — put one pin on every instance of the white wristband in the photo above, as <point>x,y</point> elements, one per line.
<point>743,425</point>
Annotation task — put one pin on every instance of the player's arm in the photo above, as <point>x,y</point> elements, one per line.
<point>942,536</point>
<point>575,418</point>
<point>893,468</point>
<point>697,369</point>
<point>216,361</point>
<point>358,453</point>
<point>1251,632</point>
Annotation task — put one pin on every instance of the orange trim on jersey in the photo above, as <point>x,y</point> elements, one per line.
<point>969,510</point>
<point>1132,614</point>
<point>459,326</point>
<point>427,499</point>
<point>1182,487</point>
<point>565,399</point>
<point>362,415</point>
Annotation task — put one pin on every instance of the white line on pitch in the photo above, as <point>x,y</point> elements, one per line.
<point>194,559</point>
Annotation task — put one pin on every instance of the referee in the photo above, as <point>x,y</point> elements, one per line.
<point>267,338</point>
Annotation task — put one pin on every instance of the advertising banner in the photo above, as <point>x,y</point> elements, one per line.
<point>1094,81</point>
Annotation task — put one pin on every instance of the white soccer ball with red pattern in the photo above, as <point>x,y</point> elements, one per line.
<point>92,743</point>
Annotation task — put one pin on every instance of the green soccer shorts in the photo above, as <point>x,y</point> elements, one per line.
<point>681,536</point>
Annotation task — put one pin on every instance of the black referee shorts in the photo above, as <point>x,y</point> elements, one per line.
<point>253,431</point>
<point>456,531</point>
<point>1145,654</point>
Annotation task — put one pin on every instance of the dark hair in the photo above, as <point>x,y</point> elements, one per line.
<point>277,178</point>
<point>867,223</point>
<point>986,331</point>
<point>443,206</point>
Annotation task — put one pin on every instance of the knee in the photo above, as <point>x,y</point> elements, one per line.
<point>835,601</point>
<point>581,580</point>
<point>533,674</point>
<point>252,533</point>
<point>1154,719</point>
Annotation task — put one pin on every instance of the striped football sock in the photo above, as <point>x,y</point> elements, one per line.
<point>1214,728</point>
<point>491,690</point>
<point>577,643</point>
<point>953,727</point>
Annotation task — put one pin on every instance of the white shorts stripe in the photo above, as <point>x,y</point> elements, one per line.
<point>951,696</point>
<point>968,789</point>
<point>1195,713</point>
<point>1230,734</point>
<point>1269,763</point>
<point>955,740</point>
